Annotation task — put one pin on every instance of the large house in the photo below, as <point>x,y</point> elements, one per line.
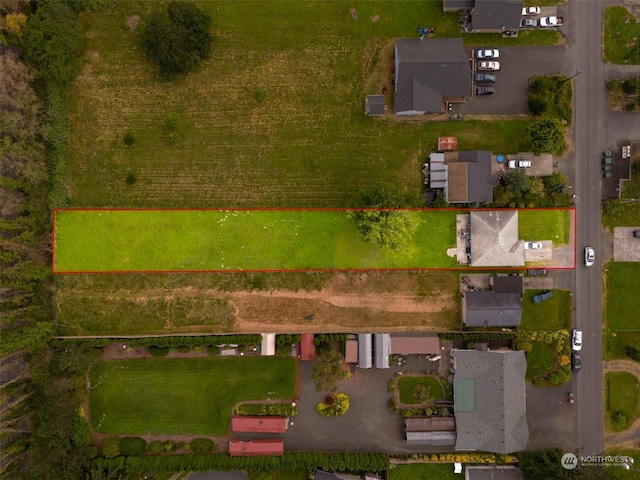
<point>494,239</point>
<point>489,400</point>
<point>489,15</point>
<point>465,176</point>
<point>429,73</point>
<point>499,307</point>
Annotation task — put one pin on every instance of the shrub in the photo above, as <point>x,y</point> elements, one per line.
<point>132,446</point>
<point>339,406</point>
<point>173,137</point>
<point>169,446</point>
<point>271,409</point>
<point>131,178</point>
<point>110,447</point>
<point>81,436</point>
<point>421,392</point>
<point>129,139</point>
<point>202,446</point>
<point>158,351</point>
<point>632,352</point>
<point>537,104</point>
<point>155,446</point>
<point>183,349</point>
<point>172,120</point>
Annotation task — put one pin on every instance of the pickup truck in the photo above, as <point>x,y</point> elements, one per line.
<point>551,21</point>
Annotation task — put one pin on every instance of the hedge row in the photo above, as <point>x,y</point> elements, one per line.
<point>58,143</point>
<point>271,409</point>
<point>477,335</point>
<point>632,352</point>
<point>371,462</point>
<point>329,337</point>
<point>171,342</point>
<point>459,457</point>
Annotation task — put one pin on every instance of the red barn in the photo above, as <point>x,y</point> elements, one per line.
<point>256,447</point>
<point>259,424</point>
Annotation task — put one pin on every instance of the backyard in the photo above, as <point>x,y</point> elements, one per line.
<point>131,397</point>
<point>622,400</point>
<point>214,240</point>
<point>293,132</point>
<point>622,312</point>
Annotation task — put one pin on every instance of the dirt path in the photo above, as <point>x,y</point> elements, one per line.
<point>630,438</point>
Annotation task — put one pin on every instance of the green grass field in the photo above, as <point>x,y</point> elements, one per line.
<point>622,309</point>
<point>182,396</point>
<point>275,118</point>
<point>407,384</point>
<point>622,397</point>
<point>423,471</point>
<point>183,240</point>
<point>554,225</point>
<point>552,314</point>
<point>621,36</point>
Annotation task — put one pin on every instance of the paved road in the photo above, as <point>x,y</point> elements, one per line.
<point>595,130</point>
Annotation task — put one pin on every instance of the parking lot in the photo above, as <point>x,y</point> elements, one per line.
<point>517,66</point>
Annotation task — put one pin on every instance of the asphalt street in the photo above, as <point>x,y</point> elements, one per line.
<point>595,130</point>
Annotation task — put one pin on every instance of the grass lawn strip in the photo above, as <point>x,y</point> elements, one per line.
<point>619,473</point>
<point>540,360</point>
<point>423,471</point>
<point>621,40</point>
<point>550,315</point>
<point>179,240</point>
<point>182,396</point>
<point>622,308</point>
<point>623,397</point>
<point>275,138</point>
<point>538,225</point>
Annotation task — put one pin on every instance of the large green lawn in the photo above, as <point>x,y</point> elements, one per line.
<point>622,312</point>
<point>274,118</point>
<point>621,35</point>
<point>188,240</point>
<point>406,387</point>
<point>552,314</point>
<point>623,398</point>
<point>182,396</point>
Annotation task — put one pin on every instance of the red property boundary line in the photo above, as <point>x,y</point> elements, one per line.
<point>301,270</point>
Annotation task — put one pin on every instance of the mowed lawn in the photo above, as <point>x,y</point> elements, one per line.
<point>201,240</point>
<point>622,308</point>
<point>551,315</point>
<point>182,396</point>
<point>543,224</point>
<point>274,118</point>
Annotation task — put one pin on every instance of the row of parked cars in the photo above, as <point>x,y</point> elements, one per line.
<point>486,61</point>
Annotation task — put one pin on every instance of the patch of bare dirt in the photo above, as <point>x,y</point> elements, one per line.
<point>132,22</point>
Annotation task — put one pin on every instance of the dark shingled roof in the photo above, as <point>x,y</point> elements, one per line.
<point>481,181</point>
<point>492,415</point>
<point>493,472</point>
<point>491,309</point>
<point>508,284</point>
<point>457,4</point>
<point>429,70</point>
<point>496,15</point>
<point>374,105</point>
<point>494,239</point>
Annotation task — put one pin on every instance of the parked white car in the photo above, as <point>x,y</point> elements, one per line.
<point>487,54</point>
<point>532,245</point>
<point>519,164</point>
<point>576,340</point>
<point>526,11</point>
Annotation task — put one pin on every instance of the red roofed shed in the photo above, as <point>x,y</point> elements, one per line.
<point>256,447</point>
<point>447,143</point>
<point>259,424</point>
<point>307,348</point>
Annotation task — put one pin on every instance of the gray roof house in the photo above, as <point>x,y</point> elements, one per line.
<point>365,350</point>
<point>489,400</point>
<point>469,177</point>
<point>430,73</point>
<point>500,307</point>
<point>493,472</point>
<point>382,349</point>
<point>494,239</point>
<point>496,15</point>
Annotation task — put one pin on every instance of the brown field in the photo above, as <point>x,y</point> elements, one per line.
<point>188,303</point>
